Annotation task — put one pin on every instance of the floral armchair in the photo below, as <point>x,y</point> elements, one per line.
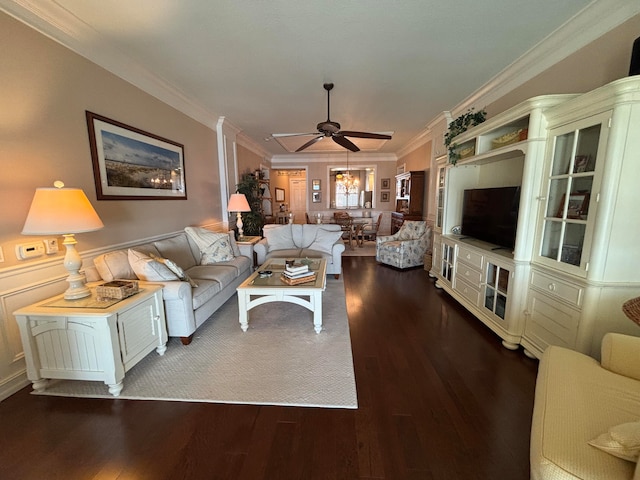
<point>405,248</point>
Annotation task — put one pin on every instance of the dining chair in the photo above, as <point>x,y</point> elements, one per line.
<point>346,223</point>
<point>370,231</point>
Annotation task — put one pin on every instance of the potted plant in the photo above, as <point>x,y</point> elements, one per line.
<point>461,124</point>
<point>252,221</point>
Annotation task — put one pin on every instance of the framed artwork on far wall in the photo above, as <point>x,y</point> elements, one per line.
<point>384,196</point>
<point>131,164</point>
<point>315,185</point>
<point>317,197</point>
<point>385,183</point>
<point>279,194</point>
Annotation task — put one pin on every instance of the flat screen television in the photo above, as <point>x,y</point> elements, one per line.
<point>491,215</point>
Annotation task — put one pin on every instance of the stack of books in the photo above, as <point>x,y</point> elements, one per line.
<point>293,275</point>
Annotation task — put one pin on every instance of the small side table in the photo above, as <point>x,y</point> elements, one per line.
<point>63,339</point>
<point>245,244</point>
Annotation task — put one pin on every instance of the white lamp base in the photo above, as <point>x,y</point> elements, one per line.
<point>73,262</point>
<point>239,224</point>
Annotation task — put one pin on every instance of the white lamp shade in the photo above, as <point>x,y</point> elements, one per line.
<point>57,211</point>
<point>238,203</point>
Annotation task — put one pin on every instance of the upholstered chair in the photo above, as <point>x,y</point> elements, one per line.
<point>405,248</point>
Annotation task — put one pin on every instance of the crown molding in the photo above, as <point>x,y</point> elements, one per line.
<point>253,146</point>
<point>596,19</point>
<point>59,25</point>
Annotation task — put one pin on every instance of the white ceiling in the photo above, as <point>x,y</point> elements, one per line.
<point>262,63</point>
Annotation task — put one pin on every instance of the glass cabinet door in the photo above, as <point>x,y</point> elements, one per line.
<point>440,198</point>
<point>496,287</point>
<point>571,193</point>
<point>448,254</point>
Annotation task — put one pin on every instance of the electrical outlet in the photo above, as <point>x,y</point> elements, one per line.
<point>51,245</point>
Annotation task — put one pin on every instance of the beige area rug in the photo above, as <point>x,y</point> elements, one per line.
<point>280,360</point>
<point>367,250</point>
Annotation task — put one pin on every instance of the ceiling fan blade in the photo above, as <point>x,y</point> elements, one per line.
<point>310,142</point>
<point>377,136</point>
<point>345,142</point>
<point>278,135</point>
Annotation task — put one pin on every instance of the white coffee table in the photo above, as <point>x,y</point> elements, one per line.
<point>255,291</point>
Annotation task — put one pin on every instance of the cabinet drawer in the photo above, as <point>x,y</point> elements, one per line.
<point>550,323</point>
<point>471,275</point>
<point>468,291</point>
<point>470,257</point>
<point>557,288</point>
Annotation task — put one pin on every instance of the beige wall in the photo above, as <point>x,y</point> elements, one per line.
<point>248,161</point>
<point>598,63</point>
<point>45,91</point>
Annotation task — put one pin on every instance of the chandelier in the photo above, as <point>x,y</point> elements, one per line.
<point>349,181</point>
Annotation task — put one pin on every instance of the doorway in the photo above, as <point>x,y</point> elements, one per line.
<point>298,199</point>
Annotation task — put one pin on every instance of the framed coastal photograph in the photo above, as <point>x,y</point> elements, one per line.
<point>279,194</point>
<point>316,197</point>
<point>131,164</point>
<point>385,183</point>
<point>384,196</point>
<point>315,185</point>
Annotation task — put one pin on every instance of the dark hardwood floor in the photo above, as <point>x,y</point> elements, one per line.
<point>439,398</point>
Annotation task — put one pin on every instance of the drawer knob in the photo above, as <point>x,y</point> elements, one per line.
<point>468,256</point>
<point>552,287</point>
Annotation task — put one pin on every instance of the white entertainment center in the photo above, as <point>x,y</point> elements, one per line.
<point>576,159</point>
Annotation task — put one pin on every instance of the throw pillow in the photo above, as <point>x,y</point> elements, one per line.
<point>279,238</point>
<point>214,247</point>
<point>324,240</point>
<point>173,266</point>
<point>114,265</point>
<point>148,269</point>
<point>622,441</point>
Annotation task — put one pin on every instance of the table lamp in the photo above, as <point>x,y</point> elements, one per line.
<point>64,211</point>
<point>238,203</point>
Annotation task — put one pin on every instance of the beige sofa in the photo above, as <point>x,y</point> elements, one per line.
<point>299,241</point>
<point>203,289</point>
<point>580,403</point>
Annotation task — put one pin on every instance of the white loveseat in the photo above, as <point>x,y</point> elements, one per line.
<point>203,288</point>
<point>300,241</point>
<point>580,403</point>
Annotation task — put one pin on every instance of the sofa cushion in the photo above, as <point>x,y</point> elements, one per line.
<point>223,274</point>
<point>241,264</point>
<point>148,269</point>
<point>279,237</point>
<point>114,265</point>
<point>178,250</point>
<point>179,272</point>
<point>622,441</point>
<point>308,253</point>
<point>324,240</point>
<point>204,292</point>
<point>285,253</point>
<point>214,247</point>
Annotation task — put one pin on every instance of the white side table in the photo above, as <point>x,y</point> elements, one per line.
<point>64,339</point>
<point>245,245</point>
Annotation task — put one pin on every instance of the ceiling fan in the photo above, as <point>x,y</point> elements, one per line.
<point>332,129</point>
